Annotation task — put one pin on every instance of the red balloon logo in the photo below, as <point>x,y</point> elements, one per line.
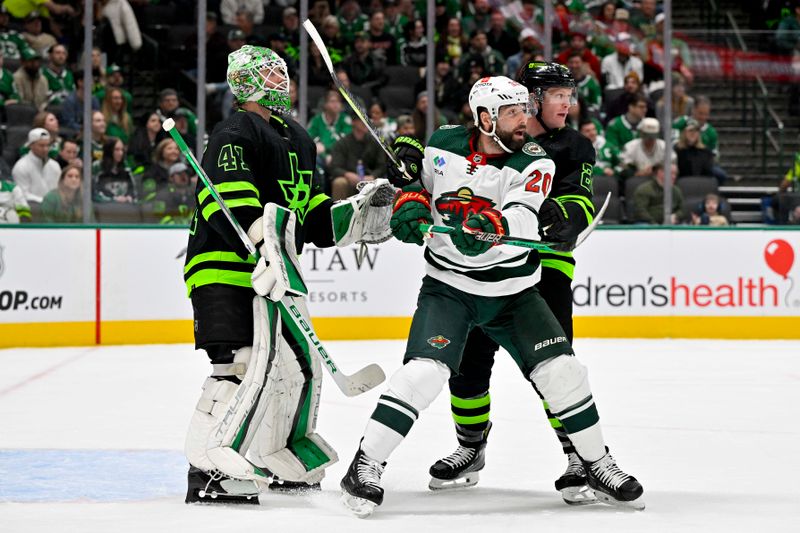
<point>779,256</point>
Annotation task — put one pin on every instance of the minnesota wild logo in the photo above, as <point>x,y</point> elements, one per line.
<point>438,342</point>
<point>456,206</point>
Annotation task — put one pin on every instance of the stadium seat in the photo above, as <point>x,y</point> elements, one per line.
<point>20,114</point>
<point>314,98</point>
<point>16,136</point>
<point>605,184</point>
<point>116,213</point>
<point>402,75</point>
<point>613,214</point>
<point>631,185</point>
<point>398,98</point>
<point>697,186</point>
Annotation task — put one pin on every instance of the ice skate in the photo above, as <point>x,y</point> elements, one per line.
<point>459,469</point>
<point>573,483</point>
<point>361,489</point>
<point>216,488</point>
<point>613,486</point>
<point>293,487</point>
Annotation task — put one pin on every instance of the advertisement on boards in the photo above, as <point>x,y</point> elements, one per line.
<point>688,273</point>
<point>47,276</point>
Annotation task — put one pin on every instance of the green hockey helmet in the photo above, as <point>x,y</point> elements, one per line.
<point>257,74</point>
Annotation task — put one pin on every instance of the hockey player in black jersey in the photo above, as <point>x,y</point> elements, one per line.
<point>255,419</point>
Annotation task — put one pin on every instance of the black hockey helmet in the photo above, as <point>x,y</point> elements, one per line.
<point>538,76</point>
<point>544,75</point>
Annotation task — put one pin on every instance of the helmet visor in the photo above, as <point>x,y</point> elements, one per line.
<point>560,96</point>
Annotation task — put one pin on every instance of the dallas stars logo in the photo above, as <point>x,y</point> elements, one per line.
<point>297,190</point>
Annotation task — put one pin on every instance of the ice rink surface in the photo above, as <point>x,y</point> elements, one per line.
<point>91,440</point>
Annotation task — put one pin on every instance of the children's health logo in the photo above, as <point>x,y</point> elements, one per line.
<point>779,256</point>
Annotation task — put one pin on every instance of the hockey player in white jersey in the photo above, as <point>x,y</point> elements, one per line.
<point>491,179</point>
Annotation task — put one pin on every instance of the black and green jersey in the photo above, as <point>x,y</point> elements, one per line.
<point>574,157</point>
<point>59,84</point>
<point>252,162</point>
<point>12,44</point>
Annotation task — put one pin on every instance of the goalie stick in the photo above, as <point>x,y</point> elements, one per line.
<point>351,100</point>
<point>357,383</point>
<point>429,229</point>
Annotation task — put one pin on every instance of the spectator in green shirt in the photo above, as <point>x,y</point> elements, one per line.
<point>623,128</point>
<point>587,85</point>
<point>330,125</point>
<point>8,93</point>
<point>114,79</point>
<point>59,78</point>
<point>119,123</point>
<point>64,203</point>
<point>708,134</point>
<point>12,44</point>
<point>648,199</point>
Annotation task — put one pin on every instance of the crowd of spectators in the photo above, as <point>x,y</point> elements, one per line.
<point>379,47</point>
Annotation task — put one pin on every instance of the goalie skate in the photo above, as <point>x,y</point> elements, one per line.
<point>613,486</point>
<point>573,483</point>
<point>217,488</point>
<point>361,489</point>
<point>459,469</point>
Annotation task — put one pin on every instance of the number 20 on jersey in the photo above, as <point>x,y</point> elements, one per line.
<point>539,182</point>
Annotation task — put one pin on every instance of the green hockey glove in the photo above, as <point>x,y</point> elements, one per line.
<point>411,209</point>
<point>487,221</point>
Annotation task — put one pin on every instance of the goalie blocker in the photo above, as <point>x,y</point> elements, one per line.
<point>256,417</point>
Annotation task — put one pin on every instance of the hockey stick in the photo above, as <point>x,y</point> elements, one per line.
<point>363,380</point>
<point>351,100</point>
<point>429,229</point>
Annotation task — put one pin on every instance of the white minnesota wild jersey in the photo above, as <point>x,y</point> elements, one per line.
<point>462,181</point>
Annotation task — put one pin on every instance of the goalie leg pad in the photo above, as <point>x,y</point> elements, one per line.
<point>563,383</point>
<point>364,217</point>
<point>286,443</point>
<point>227,415</point>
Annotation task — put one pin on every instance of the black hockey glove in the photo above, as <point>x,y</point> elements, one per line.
<point>490,222</point>
<point>409,151</point>
<point>553,221</point>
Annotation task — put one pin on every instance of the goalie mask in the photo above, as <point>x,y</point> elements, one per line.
<point>491,94</point>
<point>259,75</point>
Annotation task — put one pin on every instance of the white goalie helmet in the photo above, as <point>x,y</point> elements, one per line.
<point>493,93</point>
<point>249,71</point>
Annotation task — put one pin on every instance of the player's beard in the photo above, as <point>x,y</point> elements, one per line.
<point>508,139</point>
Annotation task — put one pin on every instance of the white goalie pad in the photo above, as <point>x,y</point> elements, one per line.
<point>364,217</point>
<point>277,272</point>
<point>227,415</point>
<point>286,443</point>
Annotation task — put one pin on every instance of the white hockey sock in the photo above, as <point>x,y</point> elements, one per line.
<point>563,383</point>
<point>411,389</point>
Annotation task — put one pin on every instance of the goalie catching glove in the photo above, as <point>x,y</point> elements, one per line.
<point>489,222</point>
<point>409,152</point>
<point>410,210</point>
<point>364,217</point>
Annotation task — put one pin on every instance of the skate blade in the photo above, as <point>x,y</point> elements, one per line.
<point>360,507</point>
<point>635,505</point>
<point>582,495</point>
<point>468,480</point>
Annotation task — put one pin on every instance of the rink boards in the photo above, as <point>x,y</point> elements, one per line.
<point>124,286</point>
